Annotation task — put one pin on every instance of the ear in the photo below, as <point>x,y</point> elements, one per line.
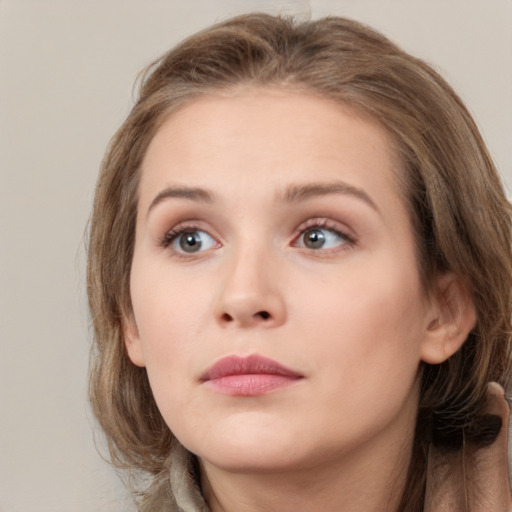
<point>451,317</point>
<point>132,341</point>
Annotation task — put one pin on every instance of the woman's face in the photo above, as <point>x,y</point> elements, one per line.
<point>270,227</point>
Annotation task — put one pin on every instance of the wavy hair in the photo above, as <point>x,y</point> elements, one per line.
<point>459,212</point>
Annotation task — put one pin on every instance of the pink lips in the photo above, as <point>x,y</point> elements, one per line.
<point>248,376</point>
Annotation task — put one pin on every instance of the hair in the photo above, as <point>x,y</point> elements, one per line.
<point>459,213</point>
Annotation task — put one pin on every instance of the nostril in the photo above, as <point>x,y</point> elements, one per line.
<point>227,318</point>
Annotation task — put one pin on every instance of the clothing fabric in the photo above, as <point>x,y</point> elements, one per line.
<point>183,483</point>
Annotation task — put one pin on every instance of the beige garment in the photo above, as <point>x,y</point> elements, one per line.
<point>184,486</point>
<point>486,469</point>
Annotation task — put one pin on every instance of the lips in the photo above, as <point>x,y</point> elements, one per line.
<point>248,376</point>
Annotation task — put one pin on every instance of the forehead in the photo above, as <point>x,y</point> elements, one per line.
<point>267,136</point>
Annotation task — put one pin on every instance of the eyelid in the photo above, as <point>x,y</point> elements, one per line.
<point>324,223</point>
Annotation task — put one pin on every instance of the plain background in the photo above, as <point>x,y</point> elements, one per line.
<point>67,70</point>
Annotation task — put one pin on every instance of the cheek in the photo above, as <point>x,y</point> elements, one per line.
<point>368,351</point>
<point>169,339</point>
<point>168,304</point>
<point>367,321</point>
<point>167,326</point>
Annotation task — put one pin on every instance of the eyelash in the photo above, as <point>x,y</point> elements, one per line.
<point>326,224</point>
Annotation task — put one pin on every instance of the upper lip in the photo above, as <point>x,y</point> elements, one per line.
<point>248,365</point>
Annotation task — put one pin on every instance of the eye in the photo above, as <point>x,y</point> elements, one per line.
<point>322,237</point>
<point>189,241</point>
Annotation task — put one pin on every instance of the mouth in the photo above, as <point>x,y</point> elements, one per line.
<point>248,376</point>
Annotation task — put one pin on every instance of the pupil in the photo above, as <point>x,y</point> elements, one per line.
<point>314,239</point>
<point>190,242</point>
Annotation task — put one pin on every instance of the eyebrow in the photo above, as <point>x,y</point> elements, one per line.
<point>292,194</point>
<point>192,193</point>
<point>297,193</point>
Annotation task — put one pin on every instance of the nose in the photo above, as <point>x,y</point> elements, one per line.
<point>251,293</point>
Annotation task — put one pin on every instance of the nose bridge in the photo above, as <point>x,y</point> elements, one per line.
<point>250,293</point>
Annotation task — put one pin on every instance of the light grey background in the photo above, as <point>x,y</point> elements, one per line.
<point>66,74</point>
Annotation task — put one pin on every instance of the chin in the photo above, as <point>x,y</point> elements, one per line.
<point>246,446</point>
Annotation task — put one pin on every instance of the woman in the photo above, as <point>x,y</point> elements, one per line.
<point>300,280</point>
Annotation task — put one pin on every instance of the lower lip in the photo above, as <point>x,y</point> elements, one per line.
<point>250,384</point>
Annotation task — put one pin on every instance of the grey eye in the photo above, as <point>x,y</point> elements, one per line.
<point>193,241</point>
<point>322,238</point>
<point>314,238</point>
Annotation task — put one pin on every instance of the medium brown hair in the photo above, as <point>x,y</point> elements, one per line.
<point>459,212</point>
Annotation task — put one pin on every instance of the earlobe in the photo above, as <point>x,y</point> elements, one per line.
<point>132,341</point>
<point>452,317</point>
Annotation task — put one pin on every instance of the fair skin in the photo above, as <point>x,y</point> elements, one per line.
<point>270,223</point>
